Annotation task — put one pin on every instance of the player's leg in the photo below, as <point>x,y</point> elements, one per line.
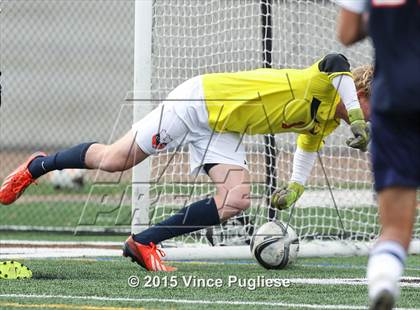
<point>232,197</point>
<point>397,211</point>
<point>222,157</point>
<point>396,171</point>
<point>232,189</point>
<point>181,118</point>
<point>157,130</point>
<point>231,176</point>
<point>118,156</point>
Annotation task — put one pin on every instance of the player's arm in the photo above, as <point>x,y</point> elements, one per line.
<point>351,21</point>
<point>303,161</point>
<point>338,69</point>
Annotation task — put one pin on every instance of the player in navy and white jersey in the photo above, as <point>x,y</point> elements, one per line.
<point>394,26</point>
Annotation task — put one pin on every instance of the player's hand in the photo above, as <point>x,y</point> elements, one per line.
<point>283,198</point>
<point>359,129</point>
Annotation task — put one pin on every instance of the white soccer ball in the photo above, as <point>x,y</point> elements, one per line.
<point>273,247</point>
<point>67,179</point>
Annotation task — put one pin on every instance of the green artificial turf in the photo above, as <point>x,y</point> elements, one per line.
<point>108,278</point>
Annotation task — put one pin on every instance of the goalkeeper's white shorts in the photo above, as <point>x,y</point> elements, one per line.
<point>182,119</point>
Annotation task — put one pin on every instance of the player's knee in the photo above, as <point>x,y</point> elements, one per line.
<point>241,202</point>
<point>236,201</point>
<point>113,160</point>
<point>239,197</point>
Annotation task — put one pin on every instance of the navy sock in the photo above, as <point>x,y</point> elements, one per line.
<point>198,215</point>
<point>72,158</point>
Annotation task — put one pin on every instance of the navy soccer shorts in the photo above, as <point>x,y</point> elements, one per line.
<point>396,149</point>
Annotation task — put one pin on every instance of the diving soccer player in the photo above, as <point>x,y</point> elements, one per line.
<point>210,112</point>
<point>394,26</point>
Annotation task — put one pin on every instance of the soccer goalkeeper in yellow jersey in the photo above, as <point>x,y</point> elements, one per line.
<point>211,113</point>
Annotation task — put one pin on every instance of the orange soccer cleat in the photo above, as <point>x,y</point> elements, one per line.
<point>16,182</point>
<point>147,256</point>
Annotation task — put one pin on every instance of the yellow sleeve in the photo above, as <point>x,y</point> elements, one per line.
<point>312,143</point>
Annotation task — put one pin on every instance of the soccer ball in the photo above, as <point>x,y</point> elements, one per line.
<point>67,179</point>
<point>273,247</point>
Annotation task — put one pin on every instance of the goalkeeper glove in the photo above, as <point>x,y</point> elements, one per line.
<point>359,129</point>
<point>285,197</point>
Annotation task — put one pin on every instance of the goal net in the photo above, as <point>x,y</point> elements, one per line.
<point>189,38</point>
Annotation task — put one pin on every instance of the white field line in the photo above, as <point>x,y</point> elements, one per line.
<point>22,249</point>
<point>191,301</point>
<point>58,243</point>
<point>187,301</point>
<point>405,281</point>
<point>41,252</point>
<point>18,249</point>
<point>344,266</point>
<point>7,253</point>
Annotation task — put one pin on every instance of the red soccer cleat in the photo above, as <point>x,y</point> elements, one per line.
<point>147,256</point>
<point>16,182</point>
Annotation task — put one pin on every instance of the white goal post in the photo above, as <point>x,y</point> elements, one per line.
<point>179,39</point>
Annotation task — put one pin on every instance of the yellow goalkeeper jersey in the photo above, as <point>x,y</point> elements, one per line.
<point>270,101</point>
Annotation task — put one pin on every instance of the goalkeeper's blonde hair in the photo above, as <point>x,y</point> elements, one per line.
<point>363,77</point>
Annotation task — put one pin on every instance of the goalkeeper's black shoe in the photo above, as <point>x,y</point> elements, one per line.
<point>384,301</point>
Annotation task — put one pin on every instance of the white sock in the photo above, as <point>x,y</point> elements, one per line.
<point>385,267</point>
